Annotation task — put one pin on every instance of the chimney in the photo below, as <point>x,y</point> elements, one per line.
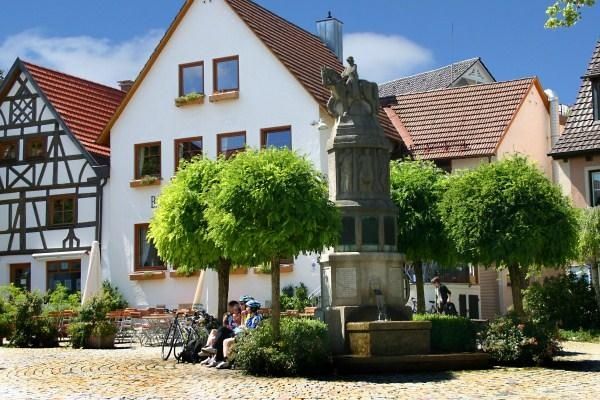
<point>125,85</point>
<point>330,31</point>
<point>554,116</point>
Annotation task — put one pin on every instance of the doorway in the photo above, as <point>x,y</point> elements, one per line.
<point>20,275</point>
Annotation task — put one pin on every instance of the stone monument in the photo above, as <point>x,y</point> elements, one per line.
<point>362,278</point>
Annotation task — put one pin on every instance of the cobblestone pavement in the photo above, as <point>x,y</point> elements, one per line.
<point>140,374</point>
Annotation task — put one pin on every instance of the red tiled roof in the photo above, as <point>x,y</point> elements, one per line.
<point>300,51</point>
<point>468,121</point>
<point>84,106</point>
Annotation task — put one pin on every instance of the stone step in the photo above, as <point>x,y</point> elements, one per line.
<point>411,363</point>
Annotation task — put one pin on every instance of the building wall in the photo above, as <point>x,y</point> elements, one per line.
<point>579,184</point>
<point>468,163</point>
<point>529,133</point>
<point>25,186</point>
<point>209,30</point>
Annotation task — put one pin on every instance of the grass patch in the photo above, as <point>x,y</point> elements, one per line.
<point>582,335</point>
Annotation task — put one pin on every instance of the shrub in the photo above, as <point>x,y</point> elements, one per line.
<point>92,316</point>
<point>31,328</point>
<point>6,324</point>
<point>450,334</point>
<point>303,349</point>
<point>565,300</point>
<point>513,341</point>
<point>295,297</point>
<point>61,299</point>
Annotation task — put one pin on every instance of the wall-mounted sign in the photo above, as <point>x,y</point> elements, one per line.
<point>152,201</point>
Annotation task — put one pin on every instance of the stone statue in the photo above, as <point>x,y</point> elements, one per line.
<point>350,96</point>
<point>345,172</point>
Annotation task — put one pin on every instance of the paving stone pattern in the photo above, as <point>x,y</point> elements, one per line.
<point>139,373</point>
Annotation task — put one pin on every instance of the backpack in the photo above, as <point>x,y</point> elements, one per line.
<point>190,353</point>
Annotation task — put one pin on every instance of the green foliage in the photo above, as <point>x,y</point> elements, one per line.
<point>303,349</point>
<point>91,320</point>
<point>566,13</point>
<point>113,298</point>
<point>61,299</point>
<point>25,314</point>
<point>565,300</point>
<point>6,324</point>
<point>508,212</point>
<point>178,228</point>
<point>513,341</point>
<point>450,334</point>
<point>581,335</point>
<point>271,203</point>
<point>416,188</point>
<point>295,297</point>
<point>589,237</point>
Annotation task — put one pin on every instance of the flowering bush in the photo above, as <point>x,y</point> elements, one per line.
<point>514,341</point>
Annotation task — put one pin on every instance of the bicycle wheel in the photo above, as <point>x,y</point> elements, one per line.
<point>179,341</point>
<point>167,343</point>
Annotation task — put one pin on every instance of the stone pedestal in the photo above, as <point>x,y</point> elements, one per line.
<point>389,338</point>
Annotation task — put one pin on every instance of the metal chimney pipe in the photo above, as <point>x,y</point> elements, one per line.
<point>330,30</point>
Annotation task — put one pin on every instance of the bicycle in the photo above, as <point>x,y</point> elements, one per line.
<point>184,331</point>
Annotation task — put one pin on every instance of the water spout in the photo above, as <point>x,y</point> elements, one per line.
<point>381,310</point>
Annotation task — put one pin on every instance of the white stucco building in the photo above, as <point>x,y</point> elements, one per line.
<point>259,80</point>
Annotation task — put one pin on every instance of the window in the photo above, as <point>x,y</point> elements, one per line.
<point>186,149</point>
<point>67,273</point>
<point>146,256</point>
<point>595,188</point>
<point>277,137</point>
<point>35,148</point>
<point>20,275</point>
<point>230,143</point>
<point>9,150</point>
<point>596,98</point>
<point>191,78</point>
<point>226,74</point>
<point>62,210</point>
<point>147,160</point>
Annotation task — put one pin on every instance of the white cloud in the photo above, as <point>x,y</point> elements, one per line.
<point>381,58</point>
<point>96,59</point>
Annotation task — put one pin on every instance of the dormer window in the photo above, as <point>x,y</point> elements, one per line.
<point>226,74</point>
<point>596,98</point>
<point>191,78</point>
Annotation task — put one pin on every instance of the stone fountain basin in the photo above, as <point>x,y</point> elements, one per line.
<point>389,338</point>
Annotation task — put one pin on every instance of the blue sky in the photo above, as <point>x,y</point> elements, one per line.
<point>111,39</point>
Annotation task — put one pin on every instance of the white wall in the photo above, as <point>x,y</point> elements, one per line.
<point>269,96</point>
<point>468,163</point>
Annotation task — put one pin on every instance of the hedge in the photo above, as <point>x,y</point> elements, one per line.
<point>450,334</point>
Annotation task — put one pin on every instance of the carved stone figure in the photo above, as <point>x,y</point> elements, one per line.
<point>350,96</point>
<point>365,172</point>
<point>345,172</point>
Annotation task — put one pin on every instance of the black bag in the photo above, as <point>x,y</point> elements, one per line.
<point>190,353</point>
<point>451,309</point>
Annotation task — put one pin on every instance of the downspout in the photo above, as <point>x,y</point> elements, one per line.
<point>99,207</point>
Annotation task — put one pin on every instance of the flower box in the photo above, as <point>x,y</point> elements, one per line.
<point>175,274</point>
<point>283,269</point>
<point>190,99</point>
<point>216,97</point>
<point>145,181</point>
<point>147,275</point>
<point>238,271</point>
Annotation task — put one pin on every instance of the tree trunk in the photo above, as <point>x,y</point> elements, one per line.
<point>223,290</point>
<point>275,306</point>
<point>420,287</point>
<point>596,281</point>
<point>517,284</point>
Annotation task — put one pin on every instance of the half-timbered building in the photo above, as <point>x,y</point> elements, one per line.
<point>52,174</point>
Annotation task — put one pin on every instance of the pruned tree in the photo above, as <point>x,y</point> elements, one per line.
<point>507,214</point>
<point>589,245</point>
<point>271,204</point>
<point>416,188</point>
<point>179,229</point>
<point>566,13</point>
